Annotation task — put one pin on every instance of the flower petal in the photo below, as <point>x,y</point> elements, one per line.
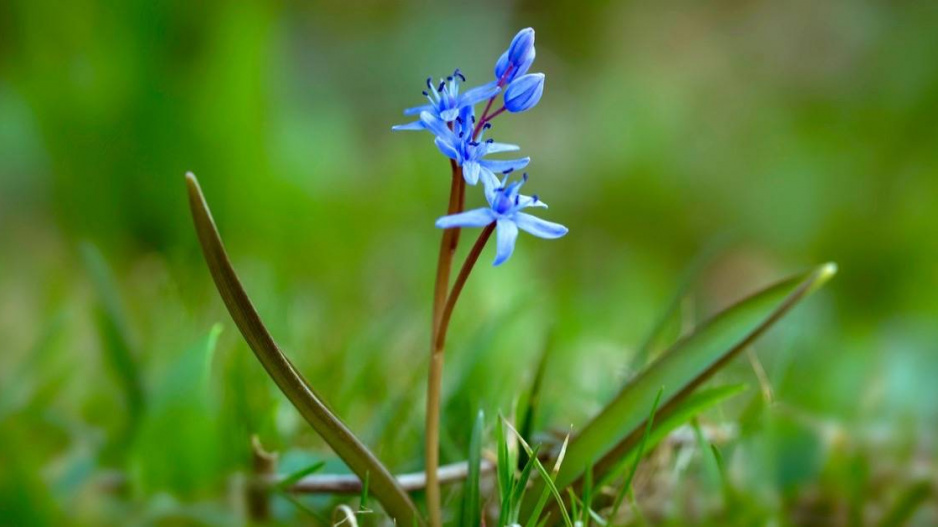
<point>538,227</point>
<point>506,233</point>
<point>479,94</point>
<point>438,127</point>
<point>490,182</point>
<point>448,149</point>
<point>417,109</point>
<point>416,125</point>
<point>470,172</point>
<point>528,201</point>
<point>501,165</point>
<point>471,218</point>
<point>497,148</point>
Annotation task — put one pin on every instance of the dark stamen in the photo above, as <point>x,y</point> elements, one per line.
<point>535,198</point>
<point>430,82</point>
<point>489,141</point>
<point>524,176</point>
<point>425,93</point>
<point>450,78</point>
<point>508,171</point>
<point>487,126</point>
<point>442,85</point>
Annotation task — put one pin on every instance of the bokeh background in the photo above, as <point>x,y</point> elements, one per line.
<point>720,144</point>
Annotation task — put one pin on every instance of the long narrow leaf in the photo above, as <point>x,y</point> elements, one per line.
<point>638,457</point>
<point>546,477</point>
<point>115,333</point>
<point>471,506</point>
<point>680,370</point>
<point>359,459</point>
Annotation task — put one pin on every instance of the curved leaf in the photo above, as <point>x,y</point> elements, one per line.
<point>356,455</point>
<point>618,428</point>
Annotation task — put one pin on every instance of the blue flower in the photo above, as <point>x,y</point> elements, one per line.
<point>524,92</point>
<point>446,102</point>
<point>505,206</point>
<point>459,145</point>
<point>517,59</point>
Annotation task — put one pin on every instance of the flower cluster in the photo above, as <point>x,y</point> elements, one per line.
<point>450,116</point>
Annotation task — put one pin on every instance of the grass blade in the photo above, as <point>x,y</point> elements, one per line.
<point>680,370</point>
<point>545,476</point>
<point>530,404</point>
<point>471,503</point>
<point>359,459</point>
<point>545,490</point>
<point>905,507</point>
<point>286,483</point>
<point>688,277</point>
<point>638,457</point>
<point>115,333</point>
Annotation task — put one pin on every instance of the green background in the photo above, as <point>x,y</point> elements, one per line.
<point>767,136</point>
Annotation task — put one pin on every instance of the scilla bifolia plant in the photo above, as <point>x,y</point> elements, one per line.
<point>602,453</point>
<point>451,118</point>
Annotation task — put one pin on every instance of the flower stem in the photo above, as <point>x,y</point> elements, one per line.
<point>448,243</point>
<point>436,377</point>
<point>495,114</point>
<point>467,266</point>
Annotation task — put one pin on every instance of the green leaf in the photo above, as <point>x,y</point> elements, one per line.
<point>294,478</point>
<point>909,502</point>
<point>471,506</point>
<point>688,277</point>
<point>530,404</point>
<point>177,444</point>
<point>360,460</point>
<point>114,331</point>
<point>546,477</point>
<point>618,428</point>
<point>637,458</point>
<point>664,425</point>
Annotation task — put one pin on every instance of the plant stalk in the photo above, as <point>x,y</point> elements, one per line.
<point>448,243</point>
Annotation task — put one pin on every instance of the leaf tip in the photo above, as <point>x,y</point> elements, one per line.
<point>193,184</point>
<point>822,275</point>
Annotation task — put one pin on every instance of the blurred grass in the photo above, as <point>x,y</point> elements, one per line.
<point>800,132</point>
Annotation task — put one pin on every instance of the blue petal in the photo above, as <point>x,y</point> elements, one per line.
<point>496,148</point>
<point>489,181</point>
<point>523,66</point>
<point>417,109</point>
<point>501,65</point>
<point>438,127</point>
<point>521,45</point>
<point>538,227</point>
<point>524,92</point>
<point>528,201</point>
<point>470,172</point>
<point>447,148</point>
<point>506,233</point>
<point>501,165</point>
<point>416,125</point>
<point>479,94</point>
<point>449,115</point>
<point>471,218</point>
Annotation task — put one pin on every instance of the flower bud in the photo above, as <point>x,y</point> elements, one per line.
<point>519,56</point>
<point>521,46</point>
<point>524,92</point>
